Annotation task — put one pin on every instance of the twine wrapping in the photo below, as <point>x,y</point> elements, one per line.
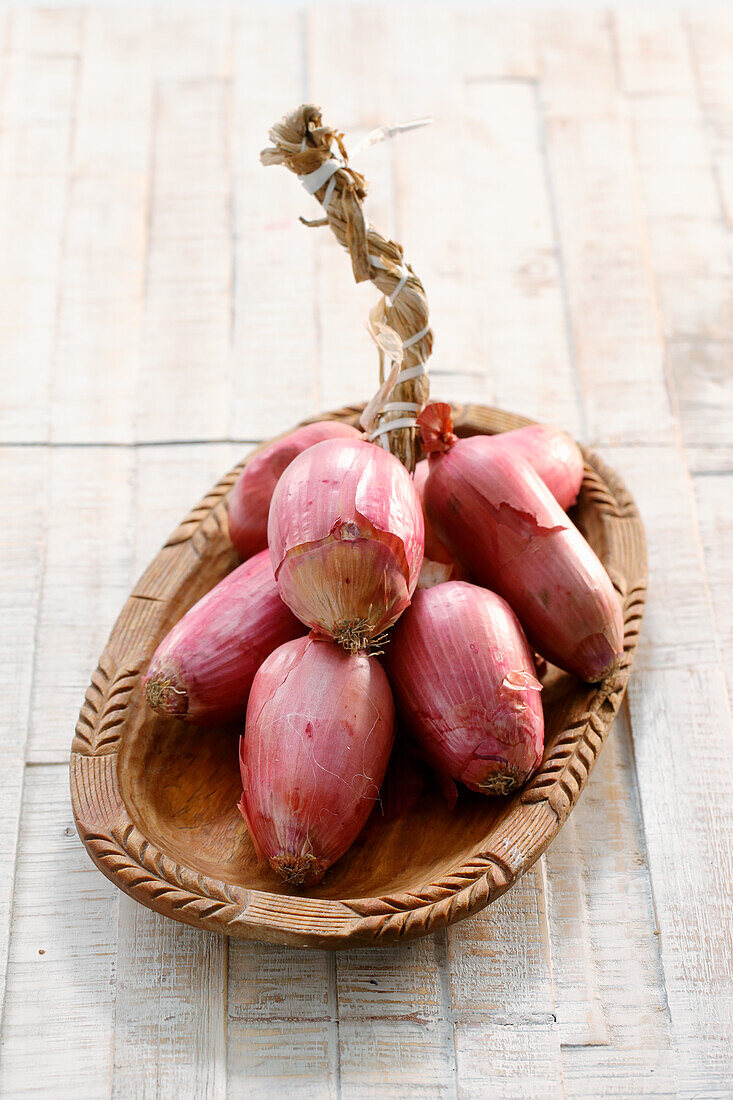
<point>303,144</point>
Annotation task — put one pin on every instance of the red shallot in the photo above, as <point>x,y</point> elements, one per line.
<point>501,521</point>
<point>203,669</point>
<point>553,453</point>
<point>465,685</point>
<point>249,500</point>
<point>320,724</point>
<point>346,539</point>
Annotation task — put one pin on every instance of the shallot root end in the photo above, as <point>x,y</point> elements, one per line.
<point>164,697</point>
<point>299,870</point>
<point>501,782</point>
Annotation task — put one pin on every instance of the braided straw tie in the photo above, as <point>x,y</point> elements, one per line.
<point>303,144</point>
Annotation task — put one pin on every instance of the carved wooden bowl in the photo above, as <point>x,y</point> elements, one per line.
<point>155,800</point>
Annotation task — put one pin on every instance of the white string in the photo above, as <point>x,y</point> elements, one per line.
<point>329,192</point>
<point>393,296</point>
<point>314,181</point>
<point>392,425</point>
<point>411,372</point>
<point>416,338</point>
<point>402,406</point>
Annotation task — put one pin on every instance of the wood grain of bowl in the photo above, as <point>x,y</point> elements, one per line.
<point>155,800</point>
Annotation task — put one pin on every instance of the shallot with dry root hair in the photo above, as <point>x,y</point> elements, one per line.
<point>204,667</point>
<point>249,500</point>
<point>465,686</point>
<point>501,521</point>
<point>320,724</point>
<point>346,539</point>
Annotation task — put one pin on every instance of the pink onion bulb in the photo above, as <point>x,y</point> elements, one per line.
<point>465,685</point>
<point>320,724</point>
<point>346,539</point>
<point>500,519</point>
<point>249,500</point>
<point>553,453</point>
<point>204,667</point>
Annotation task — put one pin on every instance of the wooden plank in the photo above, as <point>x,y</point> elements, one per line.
<point>36,126</point>
<point>496,43</point>
<point>100,310</point>
<point>169,481</point>
<point>611,294</point>
<point>634,1057</point>
<point>112,133</point>
<point>184,383</point>
<point>170,1030</point>
<point>713,495</point>
<point>282,1024</point>
<point>60,986</point>
<point>506,1035</point>
<point>711,42</point>
<point>652,50</point>
<point>690,257</point>
<point>104,267</point>
<point>578,1009</point>
<point>393,1059</point>
<point>23,482</point>
<point>395,1020</point>
<point>87,578</point>
<point>684,754</point>
<point>394,981</point>
<point>49,32</point>
<point>675,632</point>
<point>192,42</point>
<point>275,337</point>
<point>511,251</point>
<point>295,1058</point>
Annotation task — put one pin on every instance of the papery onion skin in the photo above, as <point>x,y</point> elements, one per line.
<point>464,681</point>
<point>319,732</point>
<point>499,518</point>
<point>249,500</point>
<point>554,455</point>
<point>203,669</point>
<point>346,536</point>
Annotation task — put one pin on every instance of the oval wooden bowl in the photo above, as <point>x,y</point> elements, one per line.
<point>155,800</point>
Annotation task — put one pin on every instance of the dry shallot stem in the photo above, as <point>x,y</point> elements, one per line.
<point>303,144</point>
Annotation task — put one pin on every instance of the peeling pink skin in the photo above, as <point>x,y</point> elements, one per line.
<point>319,732</point>
<point>346,535</point>
<point>211,655</point>
<point>500,519</point>
<point>464,682</point>
<point>552,453</point>
<point>249,500</point>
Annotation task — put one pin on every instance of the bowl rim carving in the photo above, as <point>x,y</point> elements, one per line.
<point>139,868</point>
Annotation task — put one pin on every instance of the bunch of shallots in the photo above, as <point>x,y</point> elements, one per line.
<point>457,576</point>
<point>473,563</point>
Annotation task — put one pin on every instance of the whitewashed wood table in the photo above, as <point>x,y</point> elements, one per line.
<point>162,309</point>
